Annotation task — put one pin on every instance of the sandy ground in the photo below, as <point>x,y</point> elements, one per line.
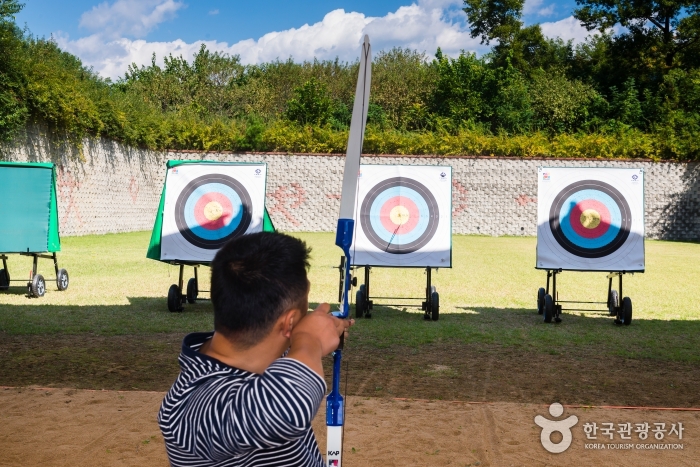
<point>68,427</point>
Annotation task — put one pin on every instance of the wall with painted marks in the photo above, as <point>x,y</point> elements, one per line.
<point>113,188</point>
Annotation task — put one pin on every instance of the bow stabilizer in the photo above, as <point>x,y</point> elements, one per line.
<point>335,405</point>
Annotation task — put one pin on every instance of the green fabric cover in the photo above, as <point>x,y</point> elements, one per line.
<point>154,245</point>
<point>28,208</point>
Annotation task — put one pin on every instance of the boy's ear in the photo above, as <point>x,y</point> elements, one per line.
<point>288,320</point>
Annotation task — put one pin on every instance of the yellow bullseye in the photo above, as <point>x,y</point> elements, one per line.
<point>399,215</point>
<point>213,211</point>
<point>590,218</point>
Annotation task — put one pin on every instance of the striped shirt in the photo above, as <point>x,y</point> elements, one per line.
<point>217,415</point>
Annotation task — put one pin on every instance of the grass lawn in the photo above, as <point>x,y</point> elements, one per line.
<point>487,297</point>
<point>111,328</point>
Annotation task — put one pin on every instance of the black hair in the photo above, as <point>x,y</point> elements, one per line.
<point>255,278</point>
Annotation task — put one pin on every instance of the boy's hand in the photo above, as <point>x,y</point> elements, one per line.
<point>317,335</point>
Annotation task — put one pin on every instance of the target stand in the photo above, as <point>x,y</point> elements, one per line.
<point>404,221</point>
<point>29,223</point>
<point>204,205</point>
<point>364,302</point>
<point>551,308</point>
<point>589,219</point>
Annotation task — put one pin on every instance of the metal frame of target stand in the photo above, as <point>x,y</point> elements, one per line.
<point>176,299</point>
<point>36,286</point>
<point>364,303</point>
<point>550,306</point>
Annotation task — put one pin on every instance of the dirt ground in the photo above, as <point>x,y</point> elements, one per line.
<point>488,373</point>
<point>68,427</point>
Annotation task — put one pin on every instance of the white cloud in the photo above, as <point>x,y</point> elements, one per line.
<point>534,7</point>
<point>424,26</point>
<point>214,12</point>
<point>134,18</point>
<point>567,29</point>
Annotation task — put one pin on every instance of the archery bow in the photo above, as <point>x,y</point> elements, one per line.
<point>335,405</point>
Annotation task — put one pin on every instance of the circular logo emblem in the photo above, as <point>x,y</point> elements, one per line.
<point>211,210</point>
<point>399,215</point>
<point>590,219</point>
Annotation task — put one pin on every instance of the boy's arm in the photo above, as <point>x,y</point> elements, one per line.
<point>315,336</point>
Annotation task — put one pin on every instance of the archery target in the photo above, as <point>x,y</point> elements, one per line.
<point>404,216</point>
<point>206,205</point>
<point>590,219</point>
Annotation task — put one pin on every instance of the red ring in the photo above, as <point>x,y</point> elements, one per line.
<point>222,221</point>
<point>413,215</point>
<point>575,218</point>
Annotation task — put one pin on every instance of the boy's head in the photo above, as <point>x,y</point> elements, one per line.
<point>255,279</point>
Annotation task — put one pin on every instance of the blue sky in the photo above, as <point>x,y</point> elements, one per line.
<point>112,34</point>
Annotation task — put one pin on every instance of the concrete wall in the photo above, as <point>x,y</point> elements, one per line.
<point>114,188</point>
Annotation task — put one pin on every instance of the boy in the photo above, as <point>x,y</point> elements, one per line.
<point>236,402</point>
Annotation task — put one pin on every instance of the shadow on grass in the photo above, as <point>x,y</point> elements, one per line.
<point>481,353</point>
<point>140,315</point>
<point>676,340</point>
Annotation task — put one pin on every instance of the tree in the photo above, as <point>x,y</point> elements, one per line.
<point>13,109</point>
<point>674,24</point>
<point>524,48</point>
<point>311,104</point>
<point>494,19</point>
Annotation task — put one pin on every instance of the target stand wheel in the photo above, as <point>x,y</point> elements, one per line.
<point>626,311</point>
<point>37,287</point>
<point>540,300</point>
<point>435,306</point>
<point>548,311</point>
<point>613,303</point>
<point>62,280</point>
<point>360,302</point>
<point>4,279</point>
<point>192,290</point>
<point>174,299</point>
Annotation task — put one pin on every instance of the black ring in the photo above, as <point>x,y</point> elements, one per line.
<point>433,215</point>
<point>200,242</point>
<point>615,243</point>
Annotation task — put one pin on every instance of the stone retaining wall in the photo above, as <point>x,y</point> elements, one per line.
<point>114,188</point>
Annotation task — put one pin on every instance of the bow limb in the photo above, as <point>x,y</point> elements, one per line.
<point>335,405</point>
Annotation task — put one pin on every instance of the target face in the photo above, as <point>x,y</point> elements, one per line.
<point>213,209</point>
<point>399,215</point>
<point>209,204</point>
<point>591,219</point>
<point>403,216</point>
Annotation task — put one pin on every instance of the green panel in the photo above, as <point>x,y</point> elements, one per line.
<point>54,236</point>
<point>268,226</point>
<point>154,246</point>
<point>25,207</point>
